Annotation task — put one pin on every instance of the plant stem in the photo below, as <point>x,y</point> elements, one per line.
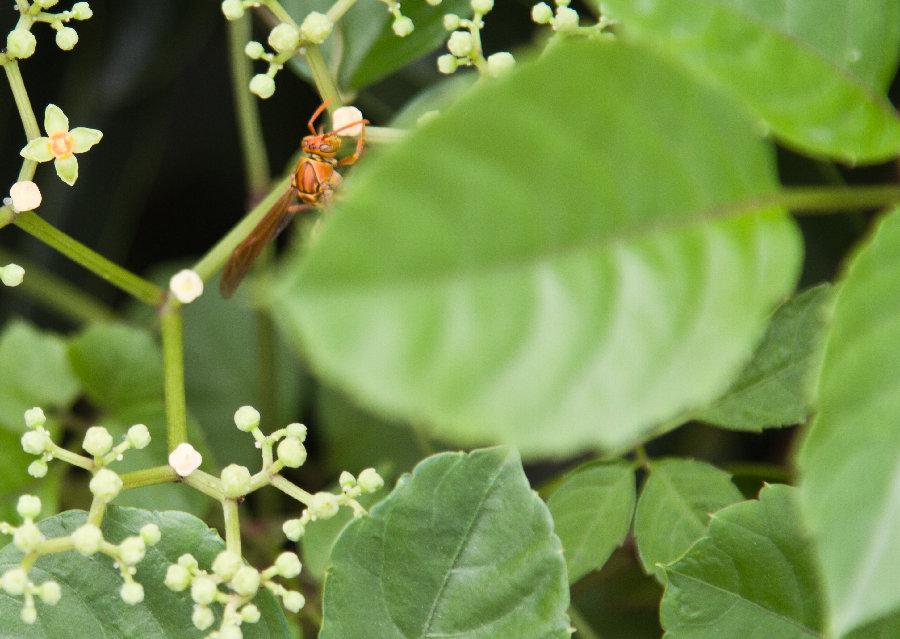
<point>823,199</point>
<point>338,9</point>
<point>148,477</point>
<point>171,327</point>
<point>207,484</point>
<point>232,525</point>
<point>23,104</point>
<point>322,76</point>
<point>253,149</point>
<point>135,286</point>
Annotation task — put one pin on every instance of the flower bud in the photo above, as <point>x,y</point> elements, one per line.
<point>188,561</point>
<point>14,581</point>
<point>482,6</point>
<point>25,195</point>
<point>451,21</point>
<point>293,601</point>
<point>254,50</point>
<point>246,418</point>
<point>245,581</point>
<point>499,63</point>
<point>37,468</point>
<point>250,613</point>
<point>186,286</point>
<point>324,506</point>
<point>105,484</point>
<point>541,13</point>
<point>202,617</point>
<point>27,537</point>
<point>28,614</point>
<point>316,27</point>
<point>34,417</point>
<point>342,120</point>
<point>203,590</point>
<point>232,9</point>
<point>151,534</point>
<point>297,431</point>
<point>82,11</point>
<point>20,43</point>
<point>566,19</point>
<point>49,592</point>
<point>66,38</point>
<point>97,441</point>
<point>447,63</point>
<point>235,480</point>
<point>346,481</point>
<point>402,26</point>
<point>293,529</point>
<point>460,43</point>
<point>262,86</point>
<point>185,459</point>
<point>132,550</point>
<point>28,506</point>
<point>177,577</point>
<point>291,452</point>
<point>138,436</point>
<point>284,38</point>
<point>370,481</point>
<point>132,593</point>
<point>226,564</point>
<point>229,630</point>
<point>12,274</point>
<point>35,442</point>
<point>87,539</point>
<point>288,565</point>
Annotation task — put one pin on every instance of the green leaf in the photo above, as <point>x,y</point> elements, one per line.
<point>592,509</point>
<point>15,480</point>
<point>775,387</point>
<point>90,605</point>
<point>813,72</point>
<point>753,576</point>
<point>462,547</point>
<point>119,365</point>
<point>674,508</point>
<point>496,284</point>
<point>850,457</point>
<point>34,372</point>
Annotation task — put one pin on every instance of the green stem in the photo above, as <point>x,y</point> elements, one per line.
<point>253,149</point>
<point>322,76</point>
<point>213,260</point>
<point>291,489</point>
<point>23,104</point>
<point>823,199</point>
<point>279,12</point>
<point>57,294</point>
<point>171,327</point>
<point>148,477</point>
<point>207,484</point>
<point>232,525</point>
<point>97,511</point>
<point>338,9</point>
<point>135,286</point>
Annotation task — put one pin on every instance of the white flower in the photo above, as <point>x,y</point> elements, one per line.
<point>345,116</point>
<point>186,286</point>
<point>185,459</point>
<point>25,195</point>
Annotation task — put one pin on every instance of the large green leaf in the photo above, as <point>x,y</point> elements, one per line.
<point>546,264</point>
<point>34,371</point>
<point>463,547</point>
<point>90,605</point>
<point>674,508</point>
<point>753,576</point>
<point>592,509</point>
<point>850,458</point>
<point>814,72</point>
<point>775,387</point>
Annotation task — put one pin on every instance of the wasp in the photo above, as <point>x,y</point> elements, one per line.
<point>312,182</point>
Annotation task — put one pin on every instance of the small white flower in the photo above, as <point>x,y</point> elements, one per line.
<point>25,195</point>
<point>345,116</point>
<point>185,459</point>
<point>186,286</point>
<point>12,274</point>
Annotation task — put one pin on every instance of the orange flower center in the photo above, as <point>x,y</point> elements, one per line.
<point>61,144</point>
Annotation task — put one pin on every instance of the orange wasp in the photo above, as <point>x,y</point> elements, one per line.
<point>312,182</point>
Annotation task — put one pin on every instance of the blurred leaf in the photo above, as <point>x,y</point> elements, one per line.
<point>592,510</point>
<point>753,576</point>
<point>15,480</point>
<point>462,547</point>
<point>119,365</point>
<point>774,387</point>
<point>814,72</point>
<point>674,508</point>
<point>34,371</point>
<point>850,457</point>
<point>886,628</point>
<point>496,285</point>
<point>90,605</point>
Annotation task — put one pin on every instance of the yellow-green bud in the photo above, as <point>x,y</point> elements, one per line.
<point>293,529</point>
<point>232,9</point>
<point>402,26</point>
<point>250,613</point>
<point>288,565</point>
<point>188,561</point>
<point>541,13</point>
<point>316,27</point>
<point>293,600</point>
<point>245,581</point>
<point>447,63</point>
<point>27,537</point>
<point>263,86</point>
<point>346,481</point>
<point>87,539</point>
<point>228,630</point>
<point>177,577</point>
<point>291,452</point>
<point>499,63</point>
<point>37,468</point>
<point>132,550</point>
<point>284,37</point>
<point>202,617</point>
<point>460,43</point>
<point>105,484</point>
<point>66,38</point>
<point>370,481</point>
<point>254,50</point>
<point>451,21</point>
<point>297,431</point>
<point>35,442</point>
<point>324,506</point>
<point>566,19</point>
<point>204,590</point>
<point>482,6</point>
<point>82,11</point>
<point>14,581</point>
<point>34,417</point>
<point>12,274</point>
<point>28,506</point>
<point>49,592</point>
<point>138,436</point>
<point>97,441</point>
<point>246,418</point>
<point>132,593</point>
<point>235,480</point>
<point>151,534</point>
<point>20,43</point>
<point>226,564</point>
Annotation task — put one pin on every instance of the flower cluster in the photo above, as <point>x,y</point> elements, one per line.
<point>464,44</point>
<point>565,19</point>
<point>21,43</point>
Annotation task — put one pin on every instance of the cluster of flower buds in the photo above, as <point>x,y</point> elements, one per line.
<point>464,44</point>
<point>564,19</point>
<point>21,43</point>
